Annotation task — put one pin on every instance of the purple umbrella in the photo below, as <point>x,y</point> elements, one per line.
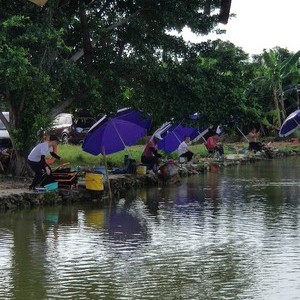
<point>115,133</point>
<point>175,135</point>
<point>291,123</point>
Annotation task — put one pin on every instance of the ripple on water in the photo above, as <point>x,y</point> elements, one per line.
<point>229,235</point>
<point>6,263</point>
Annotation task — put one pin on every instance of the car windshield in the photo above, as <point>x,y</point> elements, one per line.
<point>84,122</point>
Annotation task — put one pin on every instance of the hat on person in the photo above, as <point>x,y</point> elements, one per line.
<point>158,136</point>
<point>53,137</point>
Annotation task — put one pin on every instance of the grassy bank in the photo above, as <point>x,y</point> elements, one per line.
<point>77,157</point>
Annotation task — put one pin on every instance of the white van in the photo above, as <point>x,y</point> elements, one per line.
<point>4,136</point>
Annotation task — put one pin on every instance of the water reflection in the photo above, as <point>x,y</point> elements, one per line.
<point>6,262</point>
<point>232,234</point>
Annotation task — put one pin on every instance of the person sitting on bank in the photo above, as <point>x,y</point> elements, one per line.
<point>254,145</point>
<point>36,159</point>
<point>150,155</point>
<point>183,149</point>
<point>213,145</point>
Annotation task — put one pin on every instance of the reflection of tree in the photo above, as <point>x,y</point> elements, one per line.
<point>68,215</point>
<point>268,185</point>
<point>29,230</point>
<point>28,252</point>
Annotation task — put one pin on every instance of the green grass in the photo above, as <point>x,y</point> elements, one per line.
<point>77,157</point>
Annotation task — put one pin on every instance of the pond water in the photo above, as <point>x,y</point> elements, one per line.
<point>232,234</point>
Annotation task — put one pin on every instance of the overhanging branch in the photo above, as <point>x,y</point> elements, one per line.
<point>80,52</point>
<point>61,106</point>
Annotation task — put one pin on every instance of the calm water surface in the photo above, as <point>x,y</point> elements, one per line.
<point>228,235</point>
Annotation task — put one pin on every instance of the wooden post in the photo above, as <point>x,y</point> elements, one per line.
<point>106,172</point>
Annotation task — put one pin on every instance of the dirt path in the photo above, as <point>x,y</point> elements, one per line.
<point>10,186</point>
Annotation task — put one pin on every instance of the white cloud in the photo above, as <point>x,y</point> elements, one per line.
<point>260,24</point>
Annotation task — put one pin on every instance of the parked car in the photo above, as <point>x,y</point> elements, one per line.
<point>71,129</point>
<point>4,135</point>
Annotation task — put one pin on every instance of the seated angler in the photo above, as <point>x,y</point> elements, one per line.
<point>213,145</point>
<point>254,145</point>
<point>183,149</point>
<point>150,155</point>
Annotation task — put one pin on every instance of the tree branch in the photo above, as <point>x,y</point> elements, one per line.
<point>224,11</point>
<point>61,106</point>
<point>80,52</point>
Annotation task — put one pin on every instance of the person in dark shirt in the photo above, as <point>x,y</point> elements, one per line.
<point>150,155</point>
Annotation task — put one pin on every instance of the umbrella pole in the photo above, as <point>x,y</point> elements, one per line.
<point>125,147</point>
<point>242,134</point>
<point>106,171</point>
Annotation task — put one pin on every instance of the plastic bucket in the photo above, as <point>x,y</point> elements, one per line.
<point>100,169</point>
<point>94,182</point>
<point>141,170</point>
<point>51,186</point>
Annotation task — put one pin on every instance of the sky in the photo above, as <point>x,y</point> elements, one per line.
<point>260,24</point>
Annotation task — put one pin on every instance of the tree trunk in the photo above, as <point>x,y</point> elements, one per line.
<point>224,11</point>
<point>282,105</point>
<point>207,6</point>
<point>276,106</point>
<point>17,165</point>
<point>87,46</point>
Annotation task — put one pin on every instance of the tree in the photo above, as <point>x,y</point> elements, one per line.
<point>209,79</point>
<point>277,70</point>
<point>31,78</point>
<point>41,70</point>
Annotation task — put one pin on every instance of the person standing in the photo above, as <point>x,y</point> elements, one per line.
<point>36,159</point>
<point>150,155</point>
<point>183,149</point>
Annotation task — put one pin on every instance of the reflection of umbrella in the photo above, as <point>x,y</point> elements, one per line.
<point>115,133</point>
<point>291,123</point>
<point>124,225</point>
<point>175,135</point>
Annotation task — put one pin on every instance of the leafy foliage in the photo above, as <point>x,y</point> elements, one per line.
<point>276,71</point>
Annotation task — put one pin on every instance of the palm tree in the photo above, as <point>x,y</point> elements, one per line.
<point>275,73</point>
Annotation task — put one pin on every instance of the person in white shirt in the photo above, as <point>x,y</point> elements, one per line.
<point>36,159</point>
<point>183,149</point>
